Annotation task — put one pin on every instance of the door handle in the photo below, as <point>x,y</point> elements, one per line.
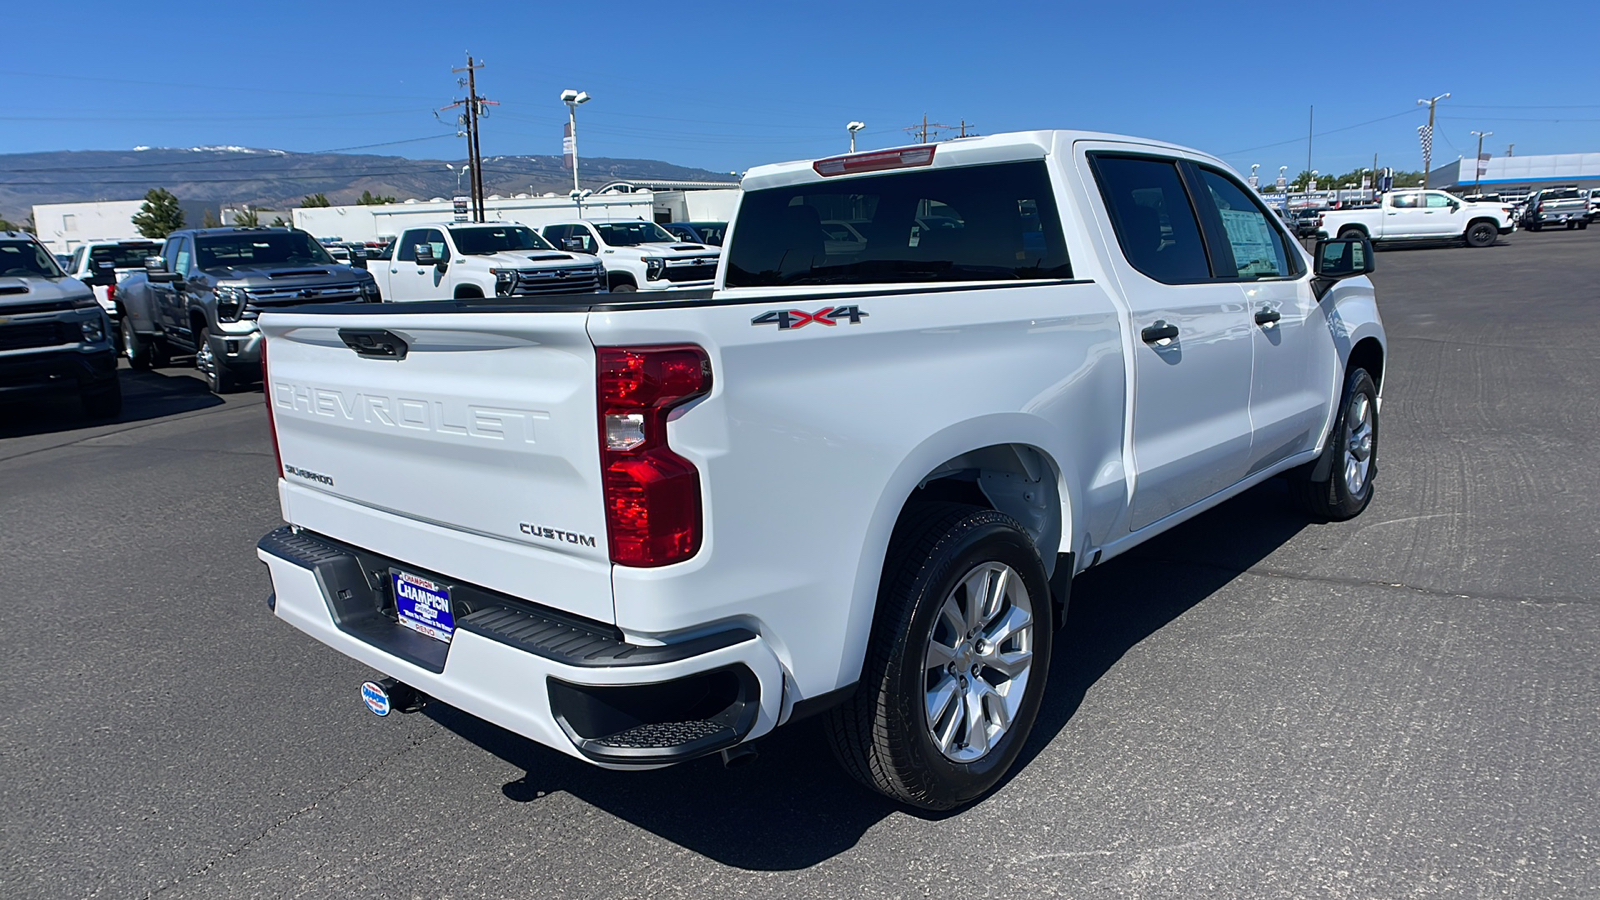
<point>1268,317</point>
<point>1160,331</point>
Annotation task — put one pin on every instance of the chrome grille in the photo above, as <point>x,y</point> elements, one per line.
<point>558,281</point>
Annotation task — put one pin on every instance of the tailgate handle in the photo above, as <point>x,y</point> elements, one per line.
<point>374,343</point>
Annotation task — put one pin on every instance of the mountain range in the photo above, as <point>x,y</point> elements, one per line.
<point>278,179</point>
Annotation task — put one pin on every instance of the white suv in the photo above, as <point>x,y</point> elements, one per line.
<point>638,255</point>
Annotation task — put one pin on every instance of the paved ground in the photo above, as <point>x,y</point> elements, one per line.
<point>1407,705</point>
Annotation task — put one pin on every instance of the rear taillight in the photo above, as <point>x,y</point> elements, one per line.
<point>111,292</point>
<point>652,495</point>
<point>272,422</point>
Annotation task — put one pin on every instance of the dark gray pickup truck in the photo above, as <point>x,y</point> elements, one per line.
<point>203,293</point>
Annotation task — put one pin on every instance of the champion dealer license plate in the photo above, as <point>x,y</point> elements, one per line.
<point>422,605</point>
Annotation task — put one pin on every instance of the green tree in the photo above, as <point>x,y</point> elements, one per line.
<point>210,221</point>
<point>278,222</point>
<point>5,225</point>
<point>316,201</point>
<point>370,199</point>
<point>250,217</point>
<point>160,215</point>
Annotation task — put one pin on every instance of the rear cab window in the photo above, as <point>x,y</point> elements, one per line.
<point>993,222</point>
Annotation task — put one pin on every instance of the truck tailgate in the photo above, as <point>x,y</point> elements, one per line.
<point>481,436</point>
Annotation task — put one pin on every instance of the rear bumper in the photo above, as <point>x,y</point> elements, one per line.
<point>571,684</point>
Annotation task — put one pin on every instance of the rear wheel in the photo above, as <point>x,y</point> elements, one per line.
<point>219,378</point>
<point>1481,234</point>
<point>1350,460</point>
<point>957,661</point>
<point>1352,234</point>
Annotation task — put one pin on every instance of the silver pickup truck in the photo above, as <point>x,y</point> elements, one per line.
<point>1556,208</point>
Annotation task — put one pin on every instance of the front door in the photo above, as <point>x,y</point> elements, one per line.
<point>1294,368</point>
<point>410,281</point>
<point>1191,337</point>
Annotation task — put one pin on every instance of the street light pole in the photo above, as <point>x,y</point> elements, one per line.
<point>853,128</point>
<point>1427,146</point>
<point>573,99</point>
<point>1477,164</point>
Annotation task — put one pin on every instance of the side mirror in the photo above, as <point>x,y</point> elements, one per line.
<point>155,270</point>
<point>1339,258</point>
<point>425,255</point>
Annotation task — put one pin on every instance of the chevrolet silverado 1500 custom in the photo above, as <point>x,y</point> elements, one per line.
<point>856,478</point>
<point>1421,216</point>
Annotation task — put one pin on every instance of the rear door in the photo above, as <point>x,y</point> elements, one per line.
<point>1191,337</point>
<point>475,455</point>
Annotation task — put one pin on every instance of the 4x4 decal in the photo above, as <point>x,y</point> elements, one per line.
<point>796,318</point>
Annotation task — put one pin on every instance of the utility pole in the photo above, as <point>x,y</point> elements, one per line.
<point>475,109</point>
<point>1427,136</point>
<point>1311,126</point>
<point>921,131</point>
<point>1477,181</point>
<point>1509,148</point>
<point>965,126</point>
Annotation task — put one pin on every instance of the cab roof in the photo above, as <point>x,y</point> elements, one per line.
<point>992,148</point>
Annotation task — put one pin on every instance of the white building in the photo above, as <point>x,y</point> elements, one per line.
<point>63,226</point>
<point>372,223</point>
<point>1519,175</point>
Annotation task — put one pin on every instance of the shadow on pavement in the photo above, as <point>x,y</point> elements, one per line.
<point>794,807</point>
<point>145,395</point>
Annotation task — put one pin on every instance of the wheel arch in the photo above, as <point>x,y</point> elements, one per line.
<point>468,292</point>
<point>994,462</point>
<point>1354,226</point>
<point>1368,353</point>
<point>615,278</point>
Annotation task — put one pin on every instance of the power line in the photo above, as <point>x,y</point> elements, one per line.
<point>1321,133</point>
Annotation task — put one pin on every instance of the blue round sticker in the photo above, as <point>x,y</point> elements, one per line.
<point>375,697</point>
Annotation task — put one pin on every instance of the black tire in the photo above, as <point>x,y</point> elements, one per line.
<point>103,403</point>
<point>1481,234</point>
<point>140,352</point>
<point>219,378</point>
<point>623,287</point>
<point>882,736</point>
<point>1535,227</point>
<point>1352,234</point>
<point>1583,226</point>
<point>1337,497</point>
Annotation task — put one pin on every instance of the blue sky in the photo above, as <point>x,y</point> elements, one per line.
<point>725,85</point>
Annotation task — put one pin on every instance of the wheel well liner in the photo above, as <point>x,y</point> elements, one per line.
<point>1017,479</point>
<point>1367,354</point>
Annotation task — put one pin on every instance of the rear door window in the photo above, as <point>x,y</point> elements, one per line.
<point>1153,218</point>
<point>972,223</point>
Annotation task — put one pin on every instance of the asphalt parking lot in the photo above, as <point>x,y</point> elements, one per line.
<point>1405,705</point>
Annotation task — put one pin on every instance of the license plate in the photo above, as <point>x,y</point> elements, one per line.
<point>422,605</point>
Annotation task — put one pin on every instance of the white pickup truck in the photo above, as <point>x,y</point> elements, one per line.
<point>639,255</point>
<point>854,481</point>
<point>1421,216</point>
<point>475,260</point>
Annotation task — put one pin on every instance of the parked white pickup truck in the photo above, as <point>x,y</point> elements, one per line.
<point>1421,216</point>
<point>466,260</point>
<point>639,255</point>
<point>855,481</point>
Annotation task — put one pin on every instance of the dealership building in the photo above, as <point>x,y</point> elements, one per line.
<point>1518,176</point>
